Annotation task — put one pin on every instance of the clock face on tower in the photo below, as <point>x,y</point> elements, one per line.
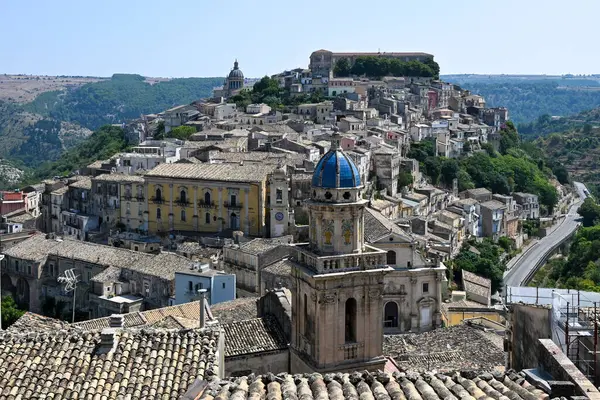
<point>279,216</point>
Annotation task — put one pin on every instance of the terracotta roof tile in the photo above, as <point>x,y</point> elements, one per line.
<point>143,364</point>
<point>377,385</point>
<point>255,335</point>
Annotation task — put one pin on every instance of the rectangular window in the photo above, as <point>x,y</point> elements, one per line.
<point>223,285</point>
<point>426,287</point>
<point>190,286</point>
<point>89,276</point>
<point>29,269</point>
<point>16,266</point>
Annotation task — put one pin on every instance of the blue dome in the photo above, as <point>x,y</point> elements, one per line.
<point>336,170</point>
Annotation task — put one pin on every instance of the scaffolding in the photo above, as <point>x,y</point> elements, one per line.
<point>573,322</point>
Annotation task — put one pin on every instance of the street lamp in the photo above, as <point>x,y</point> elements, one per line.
<point>1,259</point>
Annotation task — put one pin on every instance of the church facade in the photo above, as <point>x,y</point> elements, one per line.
<point>346,293</point>
<point>338,279</point>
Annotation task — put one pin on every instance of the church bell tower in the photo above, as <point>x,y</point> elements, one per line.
<point>337,311</point>
<point>279,203</point>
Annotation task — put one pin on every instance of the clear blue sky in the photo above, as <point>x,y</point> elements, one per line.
<point>181,38</point>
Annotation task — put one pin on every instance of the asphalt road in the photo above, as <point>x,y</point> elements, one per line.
<point>528,260</point>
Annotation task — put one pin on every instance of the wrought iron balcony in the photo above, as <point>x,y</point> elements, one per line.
<point>127,196</point>
<point>157,200</point>
<point>235,206</point>
<point>140,197</point>
<point>182,202</point>
<point>203,204</point>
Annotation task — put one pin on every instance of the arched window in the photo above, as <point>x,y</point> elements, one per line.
<point>183,196</point>
<point>390,315</point>
<point>207,198</point>
<point>391,257</point>
<point>350,331</point>
<point>158,194</point>
<point>183,215</point>
<point>158,216</point>
<point>207,218</point>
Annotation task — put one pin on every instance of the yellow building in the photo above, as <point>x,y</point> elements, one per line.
<point>134,202</point>
<point>208,198</point>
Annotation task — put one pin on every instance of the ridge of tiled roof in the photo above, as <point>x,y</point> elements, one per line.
<point>250,172</point>
<point>143,363</point>
<point>31,322</point>
<point>235,310</point>
<point>376,385</point>
<point>255,335</point>
<point>38,247</point>
<point>377,226</point>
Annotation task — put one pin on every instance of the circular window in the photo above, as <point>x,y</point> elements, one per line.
<point>347,195</point>
<point>328,195</point>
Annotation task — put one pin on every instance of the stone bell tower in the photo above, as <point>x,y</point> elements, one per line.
<point>279,204</point>
<point>337,311</point>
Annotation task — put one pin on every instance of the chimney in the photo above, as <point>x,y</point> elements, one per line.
<point>108,336</point>
<point>202,309</point>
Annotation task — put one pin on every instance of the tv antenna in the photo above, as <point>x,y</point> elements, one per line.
<point>70,280</point>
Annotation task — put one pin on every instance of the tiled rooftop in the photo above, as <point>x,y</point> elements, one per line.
<point>281,267</point>
<point>493,205</point>
<point>455,348</point>
<point>377,226</point>
<point>260,245</point>
<point>188,312</point>
<point>235,310</point>
<point>85,183</point>
<point>145,364</point>
<point>476,284</point>
<point>31,322</point>
<point>255,335</point>
<point>377,385</point>
<point>119,178</point>
<point>37,248</point>
<point>213,172</point>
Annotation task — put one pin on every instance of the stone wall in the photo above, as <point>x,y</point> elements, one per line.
<point>259,363</point>
<point>553,361</point>
<point>529,324</point>
<point>276,303</point>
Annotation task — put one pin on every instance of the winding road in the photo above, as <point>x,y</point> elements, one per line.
<point>530,259</point>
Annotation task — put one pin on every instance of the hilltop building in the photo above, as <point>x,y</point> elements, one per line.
<point>322,61</point>
<point>232,84</point>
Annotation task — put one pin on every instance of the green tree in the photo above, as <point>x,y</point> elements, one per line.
<point>405,178</point>
<point>342,67</point>
<point>433,169</point>
<point>590,212</point>
<point>449,171</point>
<point>10,311</point>
<point>182,132</point>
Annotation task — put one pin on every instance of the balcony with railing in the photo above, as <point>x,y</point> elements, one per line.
<point>157,200</point>
<point>127,196</point>
<point>182,202</point>
<point>204,204</point>
<point>234,205</point>
<point>350,350</point>
<point>140,197</point>
<point>371,258</point>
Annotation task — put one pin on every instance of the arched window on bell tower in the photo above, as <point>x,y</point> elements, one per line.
<point>350,330</point>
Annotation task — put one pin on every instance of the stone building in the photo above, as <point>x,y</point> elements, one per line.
<point>386,161</point>
<point>247,260</point>
<point>338,279</point>
<point>110,279</point>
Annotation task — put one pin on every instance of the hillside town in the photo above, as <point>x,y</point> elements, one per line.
<point>279,252</point>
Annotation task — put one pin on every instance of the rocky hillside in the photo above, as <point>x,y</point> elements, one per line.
<point>577,147</point>
<point>63,112</point>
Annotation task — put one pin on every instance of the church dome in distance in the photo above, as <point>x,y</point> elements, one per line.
<point>335,170</point>
<point>236,72</point>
